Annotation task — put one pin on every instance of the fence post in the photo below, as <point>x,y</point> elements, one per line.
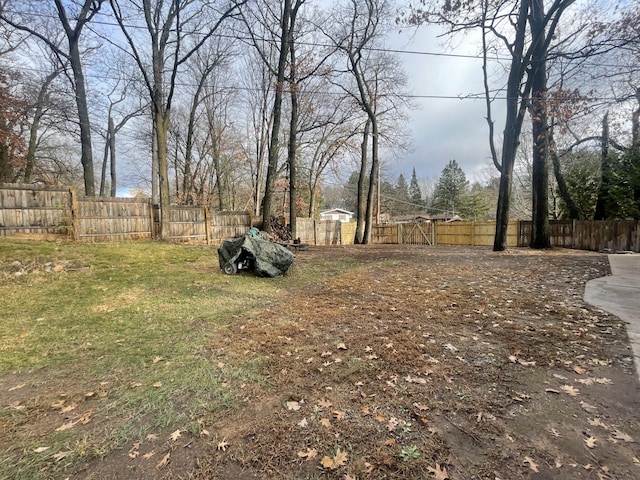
<point>207,225</point>
<point>399,233</point>
<point>75,221</point>
<point>473,234</point>
<point>152,224</point>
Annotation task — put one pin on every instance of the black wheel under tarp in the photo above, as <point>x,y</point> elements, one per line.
<point>266,258</point>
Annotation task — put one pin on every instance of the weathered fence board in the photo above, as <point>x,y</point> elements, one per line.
<point>112,219</point>
<point>473,233</point>
<point>224,225</point>
<point>38,210</point>
<point>595,235</point>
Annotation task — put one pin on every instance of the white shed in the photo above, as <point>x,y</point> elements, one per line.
<point>336,214</point>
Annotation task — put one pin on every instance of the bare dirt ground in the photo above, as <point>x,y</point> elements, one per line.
<point>420,363</point>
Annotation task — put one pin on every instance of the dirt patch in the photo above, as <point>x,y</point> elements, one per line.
<point>421,363</point>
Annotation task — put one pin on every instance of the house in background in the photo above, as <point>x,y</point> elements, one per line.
<point>336,214</point>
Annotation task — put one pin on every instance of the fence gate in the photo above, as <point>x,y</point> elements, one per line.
<point>416,233</point>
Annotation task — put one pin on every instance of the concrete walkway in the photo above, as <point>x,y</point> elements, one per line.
<point>619,294</point>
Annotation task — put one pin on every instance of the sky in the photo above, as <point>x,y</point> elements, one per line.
<point>443,129</point>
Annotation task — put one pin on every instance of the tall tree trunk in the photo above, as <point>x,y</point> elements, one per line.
<point>361,208</point>
<point>635,120</point>
<point>86,155</point>
<point>112,158</point>
<point>293,133</point>
<point>272,167</point>
<point>513,126</point>
<point>601,212</point>
<point>574,213</point>
<point>373,180</point>
<point>540,154</point>
<point>105,160</point>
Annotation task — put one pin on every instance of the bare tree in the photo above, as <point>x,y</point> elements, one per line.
<point>82,12</point>
<point>168,45</point>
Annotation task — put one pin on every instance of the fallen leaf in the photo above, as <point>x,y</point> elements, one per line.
<point>157,384</point>
<point>60,455</point>
<point>164,462</point>
<point>338,415</point>
<point>618,435</point>
<point>325,422</point>
<point>331,463</point>
<point>552,390</point>
<point>560,377</point>
<point>325,403</point>
<point>587,407</point>
<point>135,384</point>
<point>590,441</point>
<point>222,445</point>
<point>579,370</point>
<point>204,432</point>
<point>421,406</point>
<point>86,416</point>
<point>573,391</point>
<point>341,346</point>
<point>532,465</point>
<point>148,455</point>
<point>134,450</point>
<point>57,405</point>
<point>555,433</point>
<point>66,426</point>
<point>175,435</point>
<point>525,363</point>
<point>68,408</point>
<point>303,423</point>
<point>596,422</point>
<point>157,359</point>
<point>295,406</point>
<point>309,454</point>
<point>450,347</point>
<point>604,381</point>
<point>391,441</point>
<point>151,437</point>
<point>18,387</point>
<point>40,449</point>
<point>439,473</point>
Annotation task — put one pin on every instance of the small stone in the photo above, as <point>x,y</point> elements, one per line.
<point>16,264</point>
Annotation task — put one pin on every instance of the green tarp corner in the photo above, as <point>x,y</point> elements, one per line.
<point>268,259</point>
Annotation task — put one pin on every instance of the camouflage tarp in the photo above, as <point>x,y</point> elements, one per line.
<point>268,259</point>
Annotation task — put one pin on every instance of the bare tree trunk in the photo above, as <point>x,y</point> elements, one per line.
<point>635,120</point>
<point>540,155</point>
<point>513,126</point>
<point>373,180</point>
<point>272,167</point>
<point>361,209</point>
<point>574,213</point>
<point>293,132</point>
<point>601,212</point>
<point>112,160</point>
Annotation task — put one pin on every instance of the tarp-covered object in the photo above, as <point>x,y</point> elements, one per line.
<point>268,259</point>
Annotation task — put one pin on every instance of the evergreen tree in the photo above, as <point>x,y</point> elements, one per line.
<point>415,194</point>
<point>401,196</point>
<point>452,186</point>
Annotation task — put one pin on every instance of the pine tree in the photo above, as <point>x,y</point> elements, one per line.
<point>415,194</point>
<point>450,189</point>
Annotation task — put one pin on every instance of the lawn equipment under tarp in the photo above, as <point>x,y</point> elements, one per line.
<point>268,259</point>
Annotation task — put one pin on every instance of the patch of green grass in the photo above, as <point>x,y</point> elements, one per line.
<point>123,329</point>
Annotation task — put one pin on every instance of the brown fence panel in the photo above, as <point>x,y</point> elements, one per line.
<point>328,233</point>
<point>613,235</point>
<point>347,233</point>
<point>188,224</point>
<point>386,233</point>
<point>225,225</point>
<point>112,219</point>
<point>306,230</point>
<point>34,211</point>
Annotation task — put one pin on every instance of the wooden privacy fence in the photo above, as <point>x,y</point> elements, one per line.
<point>42,212</point>
<point>595,235</point>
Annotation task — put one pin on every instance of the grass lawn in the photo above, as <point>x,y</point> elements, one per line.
<point>119,334</point>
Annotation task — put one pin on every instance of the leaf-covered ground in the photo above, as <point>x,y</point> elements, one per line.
<point>421,362</point>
